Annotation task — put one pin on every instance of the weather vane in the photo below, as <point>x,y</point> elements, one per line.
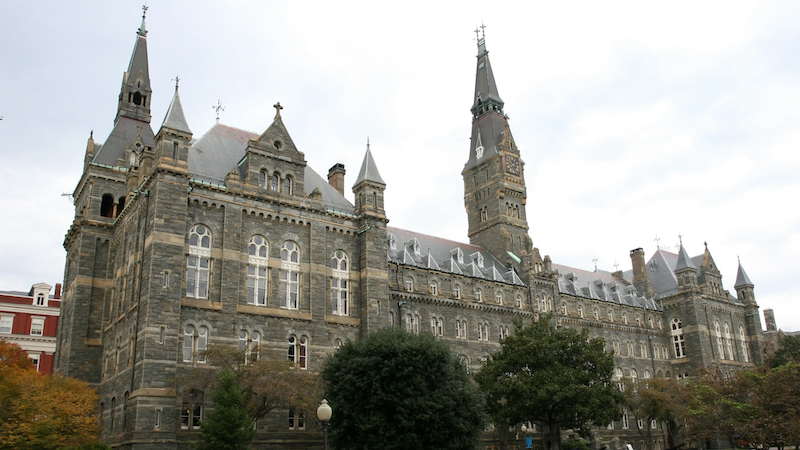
<point>218,107</point>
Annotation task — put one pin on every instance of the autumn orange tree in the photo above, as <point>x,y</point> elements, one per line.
<point>41,411</point>
<point>659,400</point>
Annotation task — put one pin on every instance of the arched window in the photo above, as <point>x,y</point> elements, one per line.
<point>580,311</point>
<point>728,341</point>
<point>409,284</point>
<point>257,273</point>
<point>113,413</point>
<point>195,341</point>
<point>437,326</point>
<point>519,301</point>
<point>120,205</point>
<point>456,291</point>
<point>478,295</point>
<point>650,322</point>
<point>340,277</point>
<point>434,287</point>
<point>107,206</point>
<point>743,342</point>
<point>290,275</point>
<point>262,179</point>
<point>249,344</point>
<point>498,296</point>
<point>564,309</point>
<point>198,266</point>
<point>720,349</point>
<point>596,314</point>
<point>274,182</point>
<point>192,410</point>
<point>287,185</point>
<point>624,318</point>
<point>643,349</point>
<point>615,344</point>
<point>677,338</point>
<point>298,351</point>
<point>461,329</point>
<point>610,315</point>
<point>638,321</point>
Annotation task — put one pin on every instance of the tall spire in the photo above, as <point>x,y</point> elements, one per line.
<point>134,99</point>
<point>175,118</point>
<point>488,119</point>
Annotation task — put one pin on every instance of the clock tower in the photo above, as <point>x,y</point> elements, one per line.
<point>494,187</point>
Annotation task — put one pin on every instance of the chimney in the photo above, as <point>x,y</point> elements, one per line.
<point>336,177</point>
<point>640,280</point>
<point>57,294</point>
<point>769,319</point>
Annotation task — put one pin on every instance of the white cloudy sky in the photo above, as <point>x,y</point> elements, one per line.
<point>635,120</point>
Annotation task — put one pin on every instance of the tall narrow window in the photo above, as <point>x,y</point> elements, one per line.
<point>262,179</point>
<point>298,351</point>
<point>249,345</point>
<point>339,284</point>
<point>257,271</point>
<point>290,275</point>
<point>743,342</point>
<point>195,340</point>
<point>478,295</point>
<point>498,296</point>
<point>296,420</point>
<point>720,349</point>
<point>728,342</point>
<point>192,410</point>
<point>199,262</point>
<point>677,338</point>
<point>287,185</point>
<point>274,182</point>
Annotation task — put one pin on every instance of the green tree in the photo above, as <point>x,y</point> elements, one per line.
<point>228,426</point>
<point>659,400</point>
<point>788,350</point>
<point>395,390</point>
<point>558,378</point>
<point>774,396</point>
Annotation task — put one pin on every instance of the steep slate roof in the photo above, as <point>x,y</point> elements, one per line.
<point>369,170</point>
<point>123,133</point>
<point>741,278</point>
<point>600,285</point>
<point>684,261</point>
<point>221,149</point>
<point>442,252</point>
<point>175,118</point>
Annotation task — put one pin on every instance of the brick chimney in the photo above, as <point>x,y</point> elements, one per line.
<point>640,279</point>
<point>57,294</point>
<point>769,319</point>
<point>336,177</point>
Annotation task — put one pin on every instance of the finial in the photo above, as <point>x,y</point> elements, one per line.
<point>218,106</point>
<point>616,265</point>
<point>483,30</point>
<point>657,241</point>
<point>278,109</point>
<point>738,259</point>
<point>680,238</point>
<point>706,244</point>
<point>367,142</point>
<point>594,260</point>
<point>176,80</point>
<point>142,29</point>
<point>91,134</point>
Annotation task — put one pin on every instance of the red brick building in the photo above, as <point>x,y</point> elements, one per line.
<point>31,321</point>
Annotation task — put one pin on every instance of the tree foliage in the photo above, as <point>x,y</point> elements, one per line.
<point>228,426</point>
<point>268,381</point>
<point>395,390</point>
<point>660,400</point>
<point>788,350</point>
<point>558,378</point>
<point>41,411</point>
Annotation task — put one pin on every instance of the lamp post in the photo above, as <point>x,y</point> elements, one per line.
<point>324,413</point>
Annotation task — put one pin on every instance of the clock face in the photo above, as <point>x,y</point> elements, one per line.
<point>512,165</point>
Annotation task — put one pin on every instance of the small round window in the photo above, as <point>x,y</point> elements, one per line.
<point>278,144</point>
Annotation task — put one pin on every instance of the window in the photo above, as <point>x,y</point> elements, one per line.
<point>461,329</point>
<point>434,288</point>
<point>610,315</point>
<point>564,309</point>
<point>290,275</point>
<point>638,321</point>
<point>478,295</point>
<point>287,185</point>
<point>677,338</point>
<point>192,410</point>
<point>483,331</point>
<point>643,349</point>
<point>274,182</point>
<point>298,351</point>
<point>409,284</point>
<point>720,350</point>
<point>296,420</point>
<point>195,340</point>
<point>40,300</point>
<point>498,296</point>
<point>437,326</point>
<point>257,262</point>
<point>165,280</point>
<point>37,326</point>
<point>580,311</point>
<point>456,291</point>
<point>336,344</point>
<point>625,423</point>
<point>249,344</point>
<point>35,360</point>
<point>157,418</point>
<point>596,314</point>
<point>162,333</point>
<point>198,266</point>
<point>6,323</point>
<point>412,323</point>
<point>640,425</point>
<point>742,341</point>
<point>339,284</point>
<point>624,318</point>
<point>262,179</point>
<point>728,341</point>
<point>518,301</point>
<point>630,348</point>
<point>650,322</point>
<point>503,332</point>
<point>616,347</point>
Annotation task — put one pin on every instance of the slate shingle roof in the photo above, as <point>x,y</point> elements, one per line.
<point>123,133</point>
<point>600,285</point>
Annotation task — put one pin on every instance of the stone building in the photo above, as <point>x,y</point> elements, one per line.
<point>179,241</point>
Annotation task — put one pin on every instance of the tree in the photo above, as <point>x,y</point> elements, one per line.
<point>266,378</point>
<point>788,350</point>
<point>43,412</point>
<point>775,397</point>
<point>659,400</point>
<point>396,390</point>
<point>559,378</point>
<point>228,426</point>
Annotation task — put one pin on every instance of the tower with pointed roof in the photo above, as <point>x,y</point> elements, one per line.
<point>494,185</point>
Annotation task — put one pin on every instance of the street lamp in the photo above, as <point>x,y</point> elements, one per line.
<point>324,413</point>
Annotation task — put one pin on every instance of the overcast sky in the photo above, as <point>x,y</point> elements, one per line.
<point>636,121</point>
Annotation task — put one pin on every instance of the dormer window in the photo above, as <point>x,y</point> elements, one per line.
<point>458,255</point>
<point>477,258</point>
<point>40,299</point>
<point>414,244</point>
<point>392,242</point>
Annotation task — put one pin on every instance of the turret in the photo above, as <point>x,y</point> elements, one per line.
<point>685,270</point>
<point>369,187</point>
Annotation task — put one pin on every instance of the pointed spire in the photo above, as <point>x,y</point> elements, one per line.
<point>142,29</point>
<point>684,261</point>
<point>369,170</point>
<point>742,280</point>
<point>175,118</point>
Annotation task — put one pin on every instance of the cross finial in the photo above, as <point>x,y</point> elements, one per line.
<point>658,242</point>
<point>176,80</point>
<point>142,29</point>
<point>680,238</point>
<point>616,265</point>
<point>706,244</point>
<point>218,106</point>
<point>278,109</point>
<point>594,260</point>
<point>483,30</point>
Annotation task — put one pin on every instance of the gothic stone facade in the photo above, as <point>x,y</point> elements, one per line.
<point>231,238</point>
